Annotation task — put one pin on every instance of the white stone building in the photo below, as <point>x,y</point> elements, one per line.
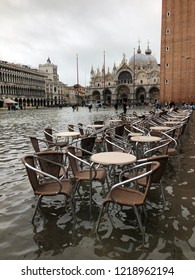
<point>136,81</point>
<point>22,84</point>
<point>56,93</point>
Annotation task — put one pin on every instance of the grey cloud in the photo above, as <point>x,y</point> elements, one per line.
<point>61,28</point>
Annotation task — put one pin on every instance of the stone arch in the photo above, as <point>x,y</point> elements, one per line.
<point>123,94</point>
<point>107,96</point>
<point>55,101</point>
<point>140,96</point>
<point>28,102</point>
<point>95,95</point>
<point>154,94</point>
<point>20,103</point>
<point>24,103</point>
<point>125,77</point>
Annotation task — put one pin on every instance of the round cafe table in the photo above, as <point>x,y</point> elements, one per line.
<point>131,134</point>
<point>115,121</point>
<point>172,122</point>
<point>160,128</point>
<point>172,119</point>
<point>96,125</point>
<point>144,140</point>
<point>67,134</point>
<point>113,159</point>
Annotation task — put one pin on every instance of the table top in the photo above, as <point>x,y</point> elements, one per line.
<point>131,134</point>
<point>113,158</point>
<point>96,125</point>
<point>160,128</point>
<point>67,133</point>
<point>172,119</point>
<point>145,139</point>
<point>172,122</point>
<point>130,117</point>
<point>115,120</point>
<point>177,115</point>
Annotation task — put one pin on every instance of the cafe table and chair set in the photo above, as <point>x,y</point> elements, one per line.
<point>121,159</point>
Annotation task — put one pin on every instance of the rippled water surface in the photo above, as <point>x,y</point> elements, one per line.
<point>170,230</point>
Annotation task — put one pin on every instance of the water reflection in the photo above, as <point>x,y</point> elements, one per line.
<point>170,231</point>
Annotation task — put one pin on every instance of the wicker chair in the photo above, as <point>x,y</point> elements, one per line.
<point>47,184</point>
<point>116,145</point>
<point>86,145</point>
<point>157,179</point>
<point>53,162</point>
<point>52,140</point>
<point>39,144</point>
<point>87,173</point>
<point>125,193</point>
<point>73,127</point>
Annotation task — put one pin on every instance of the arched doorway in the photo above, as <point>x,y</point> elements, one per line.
<point>95,96</point>
<point>107,97</point>
<point>123,94</point>
<point>125,77</point>
<point>154,94</point>
<point>140,96</point>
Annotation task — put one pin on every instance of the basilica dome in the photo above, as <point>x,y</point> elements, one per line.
<point>150,58</point>
<point>141,60</point>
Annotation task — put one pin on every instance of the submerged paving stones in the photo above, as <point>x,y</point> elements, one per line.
<point>169,230</point>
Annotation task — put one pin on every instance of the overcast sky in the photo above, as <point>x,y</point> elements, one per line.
<point>33,30</point>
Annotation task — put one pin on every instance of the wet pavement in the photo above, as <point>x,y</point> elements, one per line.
<point>170,230</point>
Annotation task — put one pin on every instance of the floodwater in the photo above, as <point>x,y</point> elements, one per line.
<point>170,230</point>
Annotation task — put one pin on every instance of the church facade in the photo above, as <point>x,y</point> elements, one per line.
<point>135,81</point>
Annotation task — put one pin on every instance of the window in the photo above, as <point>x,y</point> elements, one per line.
<point>167,48</point>
<point>168,14</point>
<point>167,31</point>
<point>167,65</point>
<point>166,82</point>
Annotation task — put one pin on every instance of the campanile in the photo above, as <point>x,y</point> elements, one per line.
<point>177,64</point>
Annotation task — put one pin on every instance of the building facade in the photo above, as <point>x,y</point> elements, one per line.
<point>135,82</point>
<point>56,93</point>
<point>22,84</point>
<point>177,72</point>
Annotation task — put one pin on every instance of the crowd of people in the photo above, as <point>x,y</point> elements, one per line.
<point>170,106</point>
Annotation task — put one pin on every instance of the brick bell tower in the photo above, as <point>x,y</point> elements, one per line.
<point>177,64</point>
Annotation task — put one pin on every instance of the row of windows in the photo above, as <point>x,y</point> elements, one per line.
<point>14,78</point>
<point>21,91</point>
<point>168,14</point>
<point>128,82</point>
<point>168,30</point>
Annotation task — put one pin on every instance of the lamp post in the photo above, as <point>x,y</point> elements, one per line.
<point>104,74</point>
<point>133,76</point>
<point>77,88</point>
